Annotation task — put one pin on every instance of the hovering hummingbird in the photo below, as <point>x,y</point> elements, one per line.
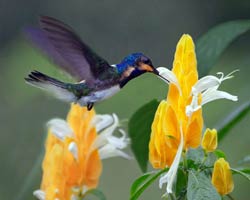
<point>97,79</point>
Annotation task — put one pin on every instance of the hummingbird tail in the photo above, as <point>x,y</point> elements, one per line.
<point>57,88</point>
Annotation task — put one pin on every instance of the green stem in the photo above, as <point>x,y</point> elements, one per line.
<point>170,196</point>
<point>203,161</point>
<point>185,164</point>
<point>230,197</point>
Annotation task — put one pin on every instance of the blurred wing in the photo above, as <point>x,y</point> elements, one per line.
<point>67,50</point>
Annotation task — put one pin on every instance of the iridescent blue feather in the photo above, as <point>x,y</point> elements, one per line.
<point>129,60</point>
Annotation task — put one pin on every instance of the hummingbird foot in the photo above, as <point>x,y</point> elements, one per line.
<point>90,105</point>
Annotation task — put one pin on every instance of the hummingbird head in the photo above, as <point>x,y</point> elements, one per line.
<point>134,65</point>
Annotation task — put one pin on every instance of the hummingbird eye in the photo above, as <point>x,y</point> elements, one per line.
<point>144,60</point>
<point>147,62</point>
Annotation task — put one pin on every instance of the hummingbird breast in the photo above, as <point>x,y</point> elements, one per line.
<point>98,95</point>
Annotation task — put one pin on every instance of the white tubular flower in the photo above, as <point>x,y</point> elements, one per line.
<point>60,128</point>
<point>73,149</point>
<point>213,94</point>
<point>170,176</point>
<point>168,76</point>
<point>39,194</point>
<point>205,83</point>
<point>109,145</point>
<point>208,88</point>
<point>102,121</point>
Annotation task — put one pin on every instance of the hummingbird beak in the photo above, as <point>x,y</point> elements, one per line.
<point>155,71</point>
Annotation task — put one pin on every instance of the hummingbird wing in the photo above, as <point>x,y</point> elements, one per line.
<point>66,49</point>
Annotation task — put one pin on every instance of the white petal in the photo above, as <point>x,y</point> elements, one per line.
<point>119,143</point>
<point>102,121</point>
<point>204,83</point>
<point>109,151</point>
<point>213,94</point>
<point>169,177</point>
<point>109,145</point>
<point>60,128</point>
<point>107,132</point>
<point>194,106</point>
<point>210,81</point>
<point>168,76</point>
<point>73,149</point>
<point>39,194</point>
<point>207,87</point>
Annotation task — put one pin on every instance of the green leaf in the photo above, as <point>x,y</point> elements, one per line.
<point>246,170</point>
<point>141,183</point>
<point>139,129</point>
<point>232,119</point>
<point>219,153</point>
<point>97,193</point>
<point>211,45</point>
<point>181,184</point>
<point>137,183</point>
<point>200,187</point>
<point>243,172</point>
<point>196,155</point>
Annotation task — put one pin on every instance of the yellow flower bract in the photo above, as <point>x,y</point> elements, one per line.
<point>209,140</point>
<point>222,177</point>
<point>64,175</point>
<point>171,115</point>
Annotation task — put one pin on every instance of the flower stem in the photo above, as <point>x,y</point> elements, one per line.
<point>203,161</point>
<point>172,197</point>
<point>230,197</point>
<point>185,164</point>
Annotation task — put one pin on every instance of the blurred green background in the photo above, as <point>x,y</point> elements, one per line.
<point>114,29</point>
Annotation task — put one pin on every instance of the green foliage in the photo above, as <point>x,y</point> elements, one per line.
<point>139,129</point>
<point>97,193</point>
<point>141,183</point>
<point>211,45</point>
<point>196,155</point>
<point>137,183</point>
<point>219,154</point>
<point>181,184</point>
<point>246,171</point>
<point>243,172</point>
<point>232,119</point>
<point>200,187</point>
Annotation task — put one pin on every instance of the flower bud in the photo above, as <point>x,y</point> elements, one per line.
<point>209,140</point>
<point>222,177</point>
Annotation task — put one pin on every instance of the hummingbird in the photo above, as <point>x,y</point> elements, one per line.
<point>96,79</point>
